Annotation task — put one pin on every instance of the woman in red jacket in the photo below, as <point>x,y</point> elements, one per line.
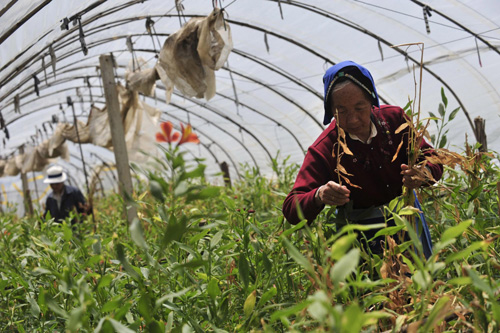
<point>370,134</point>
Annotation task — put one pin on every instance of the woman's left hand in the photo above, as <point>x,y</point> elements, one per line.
<point>409,176</point>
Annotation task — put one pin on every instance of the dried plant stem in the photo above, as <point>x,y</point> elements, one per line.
<point>415,135</point>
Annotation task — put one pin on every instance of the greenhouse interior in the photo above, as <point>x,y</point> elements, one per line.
<point>184,124</point>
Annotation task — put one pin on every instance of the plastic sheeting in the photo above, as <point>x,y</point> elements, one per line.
<point>268,99</point>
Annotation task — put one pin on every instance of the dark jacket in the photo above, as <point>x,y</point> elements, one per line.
<point>69,201</point>
<point>371,166</point>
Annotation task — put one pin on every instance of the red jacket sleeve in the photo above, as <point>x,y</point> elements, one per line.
<point>315,171</point>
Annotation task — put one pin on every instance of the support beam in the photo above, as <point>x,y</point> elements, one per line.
<point>117,135</point>
<point>28,205</point>
<point>225,174</point>
<point>480,132</point>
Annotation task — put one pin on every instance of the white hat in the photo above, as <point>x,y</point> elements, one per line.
<point>55,174</point>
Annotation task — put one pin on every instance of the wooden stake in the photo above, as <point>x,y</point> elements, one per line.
<point>28,205</point>
<point>480,133</point>
<point>117,135</point>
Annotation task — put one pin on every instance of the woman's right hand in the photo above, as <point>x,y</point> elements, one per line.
<point>332,194</point>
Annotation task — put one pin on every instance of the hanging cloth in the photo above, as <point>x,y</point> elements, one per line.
<point>190,56</point>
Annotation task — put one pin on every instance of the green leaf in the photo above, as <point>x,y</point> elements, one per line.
<point>361,227</point>
<point>480,283</point>
<point>437,314</point>
<point>455,231</point>
<point>145,307</point>
<point>75,319</point>
<point>156,190</point>
<point>126,265</point>
<point>113,304</point>
<point>213,288</point>
<point>56,308</point>
<point>345,266</point>
<point>443,97</point>
<point>296,227</point>
<point>155,327</point>
<point>249,304</point>
<point>441,110</point>
<point>267,296</point>
<point>474,193</point>
<point>293,310</point>
<point>174,231</point>
<point>443,141</point>
<point>206,193</point>
<point>466,252</point>
<point>96,245</point>
<point>35,309</point>
<point>216,238</point>
<point>351,319</point>
<point>341,245</point>
<point>389,231</point>
<point>460,281</point>
<point>105,280</point>
<point>297,256</point>
<point>196,173</point>
<point>377,299</point>
<point>434,117</point>
<point>119,327</point>
<point>422,278</point>
<point>244,270</point>
<point>496,310</point>
<point>268,266</point>
<point>178,161</point>
<point>137,234</point>
<point>181,189</point>
<point>68,234</point>
<point>145,272</point>
<point>453,114</point>
<point>159,302</point>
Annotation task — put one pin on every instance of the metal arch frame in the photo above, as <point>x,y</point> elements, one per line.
<point>213,141</point>
<point>61,81</point>
<point>210,108</point>
<point>101,27</point>
<point>260,61</point>
<point>294,3</point>
<point>375,36</point>
<point>464,28</point>
<point>220,128</point>
<point>207,147</point>
<point>70,31</point>
<point>205,106</point>
<point>241,53</point>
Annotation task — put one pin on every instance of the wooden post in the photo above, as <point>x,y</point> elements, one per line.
<point>480,126</point>
<point>28,205</point>
<point>225,174</point>
<point>117,135</point>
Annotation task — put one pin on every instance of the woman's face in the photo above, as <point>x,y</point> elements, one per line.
<point>354,110</point>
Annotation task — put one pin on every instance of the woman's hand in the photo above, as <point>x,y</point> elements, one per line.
<point>410,176</point>
<point>332,194</point>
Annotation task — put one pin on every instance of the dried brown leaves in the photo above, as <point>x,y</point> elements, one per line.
<point>341,142</point>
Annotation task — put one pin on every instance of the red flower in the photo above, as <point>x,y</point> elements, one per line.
<point>167,135</point>
<point>188,135</point>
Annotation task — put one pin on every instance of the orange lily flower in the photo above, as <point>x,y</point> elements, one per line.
<point>188,135</point>
<point>166,135</point>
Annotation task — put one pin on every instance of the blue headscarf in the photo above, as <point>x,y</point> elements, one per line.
<point>357,74</point>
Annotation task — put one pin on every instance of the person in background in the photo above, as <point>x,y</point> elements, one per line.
<point>370,134</point>
<point>64,198</point>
